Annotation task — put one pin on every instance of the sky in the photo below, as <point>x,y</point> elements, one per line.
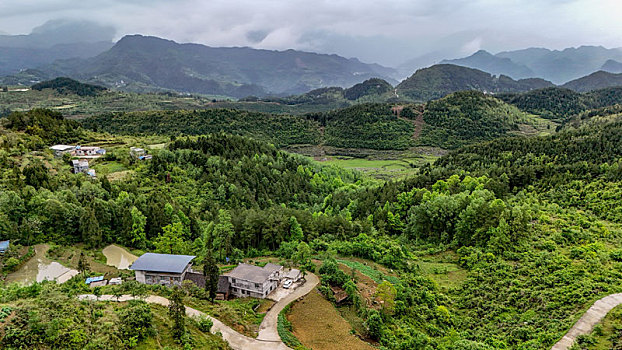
<point>388,32</point>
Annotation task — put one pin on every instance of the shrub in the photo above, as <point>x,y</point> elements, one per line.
<point>205,324</point>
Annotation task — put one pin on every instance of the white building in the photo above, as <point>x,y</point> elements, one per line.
<point>165,269</point>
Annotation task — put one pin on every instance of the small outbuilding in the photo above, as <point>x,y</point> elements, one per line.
<point>164,269</point>
<point>293,275</point>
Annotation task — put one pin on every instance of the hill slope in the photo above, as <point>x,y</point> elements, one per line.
<point>146,63</point>
<point>594,81</point>
<point>468,117</point>
<point>443,79</point>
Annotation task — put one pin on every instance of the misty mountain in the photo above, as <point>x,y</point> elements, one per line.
<point>595,81</point>
<point>442,79</point>
<point>57,32</point>
<point>15,59</point>
<point>54,40</point>
<point>612,66</point>
<point>565,65</point>
<point>487,62</point>
<point>142,63</point>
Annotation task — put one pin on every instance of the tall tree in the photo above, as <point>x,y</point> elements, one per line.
<point>83,264</point>
<point>223,233</point>
<point>171,240</point>
<point>386,292</point>
<point>89,228</point>
<point>139,238</point>
<point>177,312</point>
<point>295,230</point>
<point>211,273</point>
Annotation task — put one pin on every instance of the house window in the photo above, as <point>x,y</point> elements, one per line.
<point>233,280</point>
<point>257,285</point>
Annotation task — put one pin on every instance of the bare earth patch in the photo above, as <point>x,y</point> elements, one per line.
<point>319,326</point>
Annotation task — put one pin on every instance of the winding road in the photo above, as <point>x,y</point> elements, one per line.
<point>268,338</point>
<point>590,319</point>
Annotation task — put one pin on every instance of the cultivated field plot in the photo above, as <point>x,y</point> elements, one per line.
<point>319,326</point>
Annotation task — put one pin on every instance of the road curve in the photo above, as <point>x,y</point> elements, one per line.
<point>268,338</point>
<point>589,319</point>
<point>268,327</point>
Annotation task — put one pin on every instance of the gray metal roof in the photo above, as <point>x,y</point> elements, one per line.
<point>162,262</point>
<point>253,273</point>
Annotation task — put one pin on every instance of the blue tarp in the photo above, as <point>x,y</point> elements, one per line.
<point>94,279</point>
<point>4,246</point>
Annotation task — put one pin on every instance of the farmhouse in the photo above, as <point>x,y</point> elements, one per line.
<point>165,269</point>
<point>89,151</point>
<point>80,166</point>
<point>59,150</point>
<point>254,281</point>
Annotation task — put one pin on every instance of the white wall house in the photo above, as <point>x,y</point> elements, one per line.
<point>254,281</point>
<point>165,269</point>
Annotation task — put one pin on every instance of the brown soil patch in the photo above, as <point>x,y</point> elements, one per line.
<point>365,285</point>
<point>319,326</point>
<point>418,122</point>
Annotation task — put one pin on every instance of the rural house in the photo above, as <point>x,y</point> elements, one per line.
<point>80,166</point>
<point>59,150</point>
<point>89,151</point>
<point>166,269</point>
<point>254,281</point>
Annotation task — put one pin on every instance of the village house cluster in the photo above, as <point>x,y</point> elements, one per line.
<point>244,280</point>
<point>84,153</point>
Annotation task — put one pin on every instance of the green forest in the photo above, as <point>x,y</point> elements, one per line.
<point>500,244</point>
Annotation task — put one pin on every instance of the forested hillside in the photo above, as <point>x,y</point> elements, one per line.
<point>459,119</point>
<point>469,117</point>
<point>560,103</point>
<point>281,130</point>
<point>523,231</point>
<point>442,79</point>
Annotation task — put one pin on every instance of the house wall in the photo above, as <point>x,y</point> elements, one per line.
<point>140,276</point>
<point>165,278</point>
<point>243,288</point>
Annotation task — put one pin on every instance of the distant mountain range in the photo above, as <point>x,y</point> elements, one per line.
<point>142,63</point>
<point>150,64</point>
<point>612,66</point>
<point>553,65</point>
<point>53,41</point>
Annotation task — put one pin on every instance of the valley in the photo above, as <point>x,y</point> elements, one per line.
<point>161,194</point>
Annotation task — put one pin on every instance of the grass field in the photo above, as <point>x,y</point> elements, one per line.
<point>443,268</point>
<point>370,269</point>
<point>319,326</point>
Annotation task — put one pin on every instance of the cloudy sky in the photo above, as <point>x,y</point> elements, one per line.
<point>387,32</point>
